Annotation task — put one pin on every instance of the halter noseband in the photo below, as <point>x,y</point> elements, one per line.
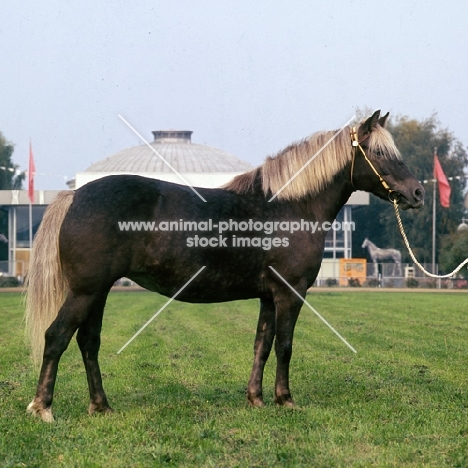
<point>357,144</point>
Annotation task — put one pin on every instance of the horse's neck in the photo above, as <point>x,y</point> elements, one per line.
<point>371,246</point>
<point>320,207</point>
<point>326,205</point>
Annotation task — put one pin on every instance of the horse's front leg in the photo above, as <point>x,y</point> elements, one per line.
<point>399,268</point>
<point>262,348</point>
<point>288,307</point>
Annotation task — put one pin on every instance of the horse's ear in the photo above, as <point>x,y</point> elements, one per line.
<point>369,125</point>
<point>383,120</point>
<point>372,121</point>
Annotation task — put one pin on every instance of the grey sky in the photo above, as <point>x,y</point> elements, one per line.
<point>248,77</point>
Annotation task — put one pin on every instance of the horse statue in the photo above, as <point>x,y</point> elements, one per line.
<point>81,249</point>
<point>379,255</point>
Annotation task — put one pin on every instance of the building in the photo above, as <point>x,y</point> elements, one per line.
<point>171,157</point>
<point>21,218</point>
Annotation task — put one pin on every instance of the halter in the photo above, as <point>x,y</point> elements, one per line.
<point>357,144</point>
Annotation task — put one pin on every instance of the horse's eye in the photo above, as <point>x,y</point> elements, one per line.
<point>378,153</point>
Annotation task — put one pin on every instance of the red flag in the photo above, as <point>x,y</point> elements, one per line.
<point>31,174</point>
<point>444,187</point>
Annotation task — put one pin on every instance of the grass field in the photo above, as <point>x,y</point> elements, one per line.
<point>178,389</point>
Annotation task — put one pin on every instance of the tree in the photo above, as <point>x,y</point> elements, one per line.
<point>8,178</point>
<point>416,141</point>
<point>454,251</point>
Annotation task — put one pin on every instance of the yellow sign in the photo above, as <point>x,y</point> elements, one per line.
<point>352,268</point>
<point>22,262</point>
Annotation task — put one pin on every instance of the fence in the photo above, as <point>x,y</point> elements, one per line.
<point>386,275</point>
<point>383,275</point>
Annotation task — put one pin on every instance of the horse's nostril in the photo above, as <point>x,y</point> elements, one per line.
<point>419,194</point>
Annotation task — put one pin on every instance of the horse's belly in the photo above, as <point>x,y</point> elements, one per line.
<point>204,288</point>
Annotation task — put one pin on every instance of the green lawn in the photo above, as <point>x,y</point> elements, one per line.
<point>178,389</point>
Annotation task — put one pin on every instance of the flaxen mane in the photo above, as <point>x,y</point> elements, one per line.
<point>295,172</point>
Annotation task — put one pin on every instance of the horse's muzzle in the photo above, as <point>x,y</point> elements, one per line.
<point>413,199</point>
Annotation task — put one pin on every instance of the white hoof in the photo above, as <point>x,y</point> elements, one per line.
<point>44,414</point>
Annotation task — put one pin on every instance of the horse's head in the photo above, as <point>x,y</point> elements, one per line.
<point>365,243</point>
<point>378,167</point>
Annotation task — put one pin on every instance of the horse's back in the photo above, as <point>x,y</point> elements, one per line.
<point>96,237</point>
<point>111,231</point>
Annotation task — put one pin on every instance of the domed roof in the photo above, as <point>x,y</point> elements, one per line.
<point>176,148</point>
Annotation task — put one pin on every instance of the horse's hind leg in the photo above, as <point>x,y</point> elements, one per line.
<point>57,337</point>
<point>89,341</point>
<point>262,348</point>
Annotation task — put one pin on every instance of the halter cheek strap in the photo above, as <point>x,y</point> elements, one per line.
<point>357,144</point>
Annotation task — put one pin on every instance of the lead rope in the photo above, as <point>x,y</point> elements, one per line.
<point>405,239</point>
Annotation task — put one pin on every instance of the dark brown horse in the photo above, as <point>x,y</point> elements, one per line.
<point>84,245</point>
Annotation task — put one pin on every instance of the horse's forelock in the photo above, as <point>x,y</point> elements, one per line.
<point>381,141</point>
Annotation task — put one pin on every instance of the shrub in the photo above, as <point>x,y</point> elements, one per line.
<point>460,284</point>
<point>372,283</point>
<point>331,282</point>
<point>354,282</point>
<point>9,282</point>
<point>412,283</point>
<point>430,283</point>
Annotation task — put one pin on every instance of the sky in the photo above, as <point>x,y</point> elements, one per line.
<point>248,77</point>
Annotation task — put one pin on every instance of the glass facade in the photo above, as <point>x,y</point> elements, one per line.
<point>339,239</point>
<point>23,223</point>
<point>19,219</point>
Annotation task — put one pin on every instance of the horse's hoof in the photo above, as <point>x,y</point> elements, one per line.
<point>285,401</point>
<point>289,404</point>
<point>93,408</point>
<point>44,413</point>
<point>255,401</point>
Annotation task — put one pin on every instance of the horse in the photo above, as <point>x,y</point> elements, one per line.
<point>80,249</point>
<point>379,255</point>
<point>3,239</point>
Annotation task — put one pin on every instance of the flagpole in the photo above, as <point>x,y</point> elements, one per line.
<point>434,201</point>
<point>30,225</point>
<point>31,174</point>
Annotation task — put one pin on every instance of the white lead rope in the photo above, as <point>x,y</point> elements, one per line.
<point>402,231</point>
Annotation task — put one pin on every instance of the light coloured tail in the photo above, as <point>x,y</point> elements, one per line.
<point>46,285</point>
